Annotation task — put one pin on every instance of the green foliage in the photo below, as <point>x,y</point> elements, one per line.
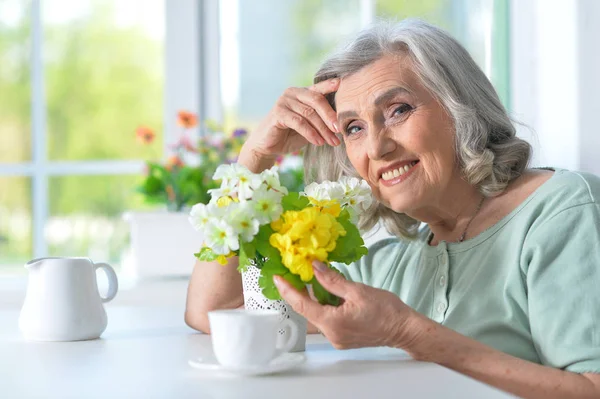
<point>247,252</point>
<point>350,247</point>
<point>206,254</point>
<point>294,202</point>
<point>263,247</point>
<point>292,179</point>
<point>178,186</point>
<point>323,296</point>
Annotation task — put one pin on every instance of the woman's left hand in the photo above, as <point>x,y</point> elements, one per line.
<point>367,316</point>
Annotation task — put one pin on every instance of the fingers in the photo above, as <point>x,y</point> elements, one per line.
<point>302,126</point>
<point>311,104</point>
<point>326,86</point>
<point>299,301</point>
<point>320,113</point>
<point>332,281</point>
<point>311,114</point>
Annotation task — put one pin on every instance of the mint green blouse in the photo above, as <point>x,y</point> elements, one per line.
<point>528,286</point>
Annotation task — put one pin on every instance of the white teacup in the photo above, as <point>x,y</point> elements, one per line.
<point>246,338</point>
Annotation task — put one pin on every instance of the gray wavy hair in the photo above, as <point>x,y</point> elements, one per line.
<point>488,152</point>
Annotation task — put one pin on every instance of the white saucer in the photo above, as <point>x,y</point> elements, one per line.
<point>284,362</point>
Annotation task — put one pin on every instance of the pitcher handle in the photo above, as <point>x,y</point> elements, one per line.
<point>113,283</point>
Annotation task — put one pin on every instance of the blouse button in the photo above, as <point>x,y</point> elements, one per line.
<point>441,307</point>
<point>442,280</point>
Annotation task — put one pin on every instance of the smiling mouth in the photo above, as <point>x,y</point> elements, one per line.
<point>396,173</point>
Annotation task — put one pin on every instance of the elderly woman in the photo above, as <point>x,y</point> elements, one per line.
<point>502,282</point>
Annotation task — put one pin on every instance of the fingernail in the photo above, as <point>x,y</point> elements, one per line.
<point>335,81</point>
<point>277,281</point>
<point>336,128</point>
<point>319,266</point>
<point>335,140</point>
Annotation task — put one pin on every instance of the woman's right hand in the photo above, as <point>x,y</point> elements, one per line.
<point>300,116</point>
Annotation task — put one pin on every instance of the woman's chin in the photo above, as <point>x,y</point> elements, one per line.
<point>400,205</point>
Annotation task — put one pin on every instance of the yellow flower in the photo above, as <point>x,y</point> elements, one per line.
<point>222,259</point>
<point>328,206</point>
<point>224,201</point>
<point>304,236</point>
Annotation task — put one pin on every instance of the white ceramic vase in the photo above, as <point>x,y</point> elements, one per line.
<point>162,244</point>
<point>254,299</point>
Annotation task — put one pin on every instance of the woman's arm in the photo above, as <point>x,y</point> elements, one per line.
<point>441,345</point>
<point>374,317</point>
<point>212,287</point>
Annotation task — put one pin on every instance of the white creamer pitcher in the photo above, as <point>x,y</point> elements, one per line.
<point>62,302</point>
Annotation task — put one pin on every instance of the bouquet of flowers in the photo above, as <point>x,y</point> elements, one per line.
<point>253,216</point>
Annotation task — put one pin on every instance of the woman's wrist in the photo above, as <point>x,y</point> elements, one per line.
<point>417,335</point>
<point>255,161</point>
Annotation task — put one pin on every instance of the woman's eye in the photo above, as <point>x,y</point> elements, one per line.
<point>402,109</point>
<point>353,129</point>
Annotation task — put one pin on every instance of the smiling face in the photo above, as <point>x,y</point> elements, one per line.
<point>397,136</point>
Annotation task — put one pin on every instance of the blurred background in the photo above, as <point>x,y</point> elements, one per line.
<point>77,78</point>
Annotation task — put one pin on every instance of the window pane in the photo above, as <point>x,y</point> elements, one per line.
<point>480,25</point>
<point>259,61</point>
<point>15,224</point>
<point>15,97</point>
<point>104,77</point>
<point>86,216</point>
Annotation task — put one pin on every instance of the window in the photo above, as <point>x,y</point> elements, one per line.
<point>260,60</point>
<point>77,79</point>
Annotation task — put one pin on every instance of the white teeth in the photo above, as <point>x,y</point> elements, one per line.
<point>398,172</point>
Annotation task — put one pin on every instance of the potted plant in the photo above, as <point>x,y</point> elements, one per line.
<point>275,231</point>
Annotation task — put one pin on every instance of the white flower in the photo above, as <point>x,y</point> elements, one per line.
<point>357,193</point>
<point>324,191</point>
<point>225,172</point>
<point>238,177</point>
<point>221,237</point>
<point>241,217</point>
<point>201,215</point>
<point>271,178</point>
<point>266,205</point>
<point>223,191</point>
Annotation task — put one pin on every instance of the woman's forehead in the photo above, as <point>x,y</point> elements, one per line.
<point>377,78</point>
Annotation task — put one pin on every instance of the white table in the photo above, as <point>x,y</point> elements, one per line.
<point>144,354</point>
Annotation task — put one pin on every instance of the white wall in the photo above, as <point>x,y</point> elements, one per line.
<point>554,79</point>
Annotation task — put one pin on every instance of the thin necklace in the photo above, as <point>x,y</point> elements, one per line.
<point>464,233</point>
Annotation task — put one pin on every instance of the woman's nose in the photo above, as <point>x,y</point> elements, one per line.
<point>379,143</point>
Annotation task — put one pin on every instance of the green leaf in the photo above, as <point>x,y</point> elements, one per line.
<point>152,185</point>
<point>206,254</point>
<point>247,252</point>
<point>294,202</point>
<point>348,248</point>
<point>294,280</point>
<point>323,296</point>
<point>269,290</point>
<point>261,242</point>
